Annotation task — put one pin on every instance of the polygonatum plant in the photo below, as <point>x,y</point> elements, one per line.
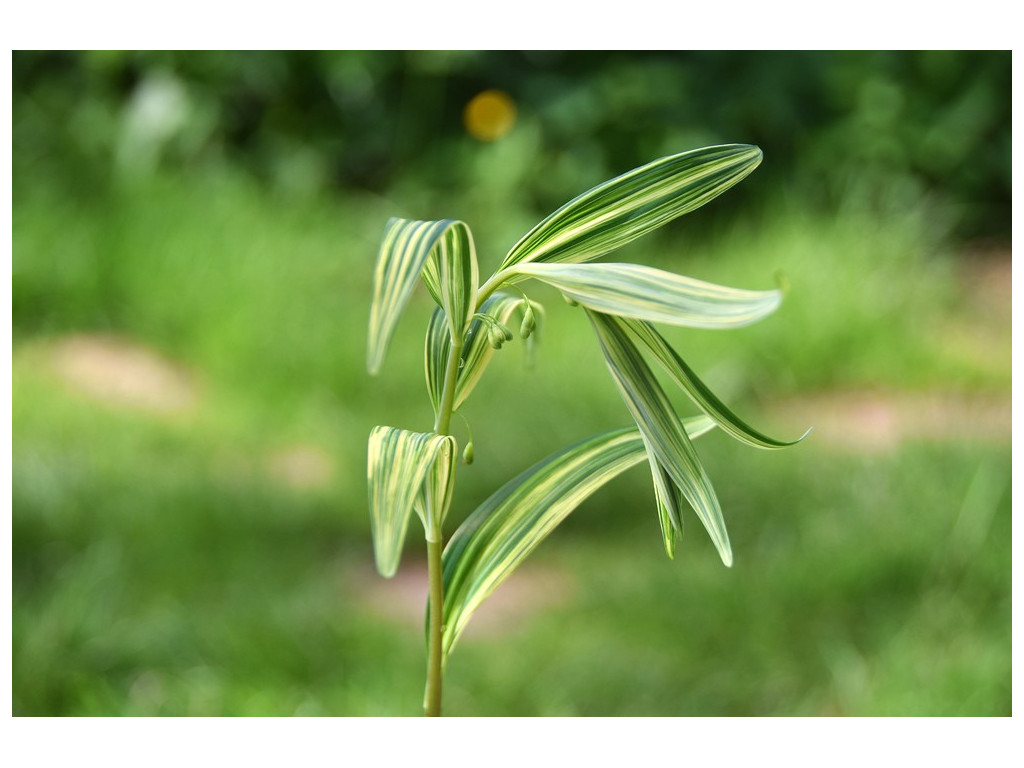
<point>415,471</point>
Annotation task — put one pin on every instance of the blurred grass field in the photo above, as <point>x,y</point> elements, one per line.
<point>190,533</point>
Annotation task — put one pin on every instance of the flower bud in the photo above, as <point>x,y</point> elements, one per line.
<point>529,323</point>
<point>467,453</point>
<point>495,337</point>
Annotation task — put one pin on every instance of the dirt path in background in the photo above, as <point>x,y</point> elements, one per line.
<point>881,421</point>
<point>867,420</point>
<point>121,373</point>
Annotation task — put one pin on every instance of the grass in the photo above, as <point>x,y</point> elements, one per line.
<point>163,563</point>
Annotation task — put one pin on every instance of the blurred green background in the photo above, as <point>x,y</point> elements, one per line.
<point>193,243</point>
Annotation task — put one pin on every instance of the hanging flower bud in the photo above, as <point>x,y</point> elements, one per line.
<point>495,337</point>
<point>529,322</point>
<point>467,453</point>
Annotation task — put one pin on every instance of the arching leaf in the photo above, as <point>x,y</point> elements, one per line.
<point>698,391</point>
<point>509,525</point>
<point>451,276</point>
<point>405,470</point>
<point>631,205</point>
<point>668,500</point>
<point>443,252</point>
<point>659,423</point>
<point>633,290</point>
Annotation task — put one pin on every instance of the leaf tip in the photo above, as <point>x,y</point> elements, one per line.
<point>387,570</point>
<point>753,154</point>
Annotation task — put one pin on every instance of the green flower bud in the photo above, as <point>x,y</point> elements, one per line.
<point>529,323</point>
<point>495,337</point>
<point>467,454</point>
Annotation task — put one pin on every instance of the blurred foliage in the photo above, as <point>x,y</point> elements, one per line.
<point>223,210</point>
<point>876,129</point>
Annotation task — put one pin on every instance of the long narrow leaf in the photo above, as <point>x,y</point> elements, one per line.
<point>633,290</point>
<point>510,524</point>
<point>403,257</point>
<point>698,391</point>
<point>659,423</point>
<point>629,206</point>
<point>668,500</point>
<point>404,468</point>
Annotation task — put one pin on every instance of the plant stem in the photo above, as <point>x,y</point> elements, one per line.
<point>490,287</point>
<point>435,673</point>
<point>435,631</point>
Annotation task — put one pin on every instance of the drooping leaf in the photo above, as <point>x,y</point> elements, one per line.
<point>659,423</point>
<point>404,470</point>
<point>698,391</point>
<point>631,205</point>
<point>509,525</point>
<point>435,496</point>
<point>476,352</point>
<point>668,500</point>
<point>436,348</point>
<point>450,275</point>
<point>633,290</point>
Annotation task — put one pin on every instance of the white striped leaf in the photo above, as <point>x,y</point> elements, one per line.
<point>443,252</point>
<point>452,277</point>
<point>509,525</point>
<point>646,293</point>
<point>435,496</point>
<point>698,391</point>
<point>668,500</point>
<point>631,205</point>
<point>476,351</point>
<point>406,470</point>
<point>436,347</point>
<point>659,423</point>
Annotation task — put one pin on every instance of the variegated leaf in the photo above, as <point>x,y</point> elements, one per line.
<point>435,496</point>
<point>631,205</point>
<point>698,391</point>
<point>451,276</point>
<point>404,470</point>
<point>436,347</point>
<point>668,500</point>
<point>509,525</point>
<point>633,290</point>
<point>443,252</point>
<point>659,423</point>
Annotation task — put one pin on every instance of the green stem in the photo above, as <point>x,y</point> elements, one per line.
<point>435,671</point>
<point>435,631</point>
<point>490,287</point>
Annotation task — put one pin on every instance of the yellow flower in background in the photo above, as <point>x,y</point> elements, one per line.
<point>489,115</point>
